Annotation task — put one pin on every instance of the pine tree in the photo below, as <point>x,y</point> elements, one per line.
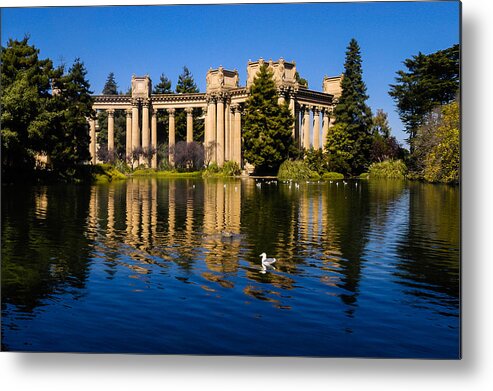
<point>349,141</point>
<point>267,131</point>
<point>186,85</point>
<point>110,87</point>
<point>163,87</point>
<point>68,138</point>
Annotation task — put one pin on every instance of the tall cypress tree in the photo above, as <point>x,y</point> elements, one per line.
<point>267,130</point>
<point>349,141</point>
<point>110,87</point>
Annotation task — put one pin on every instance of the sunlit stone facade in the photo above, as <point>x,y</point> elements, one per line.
<point>222,108</point>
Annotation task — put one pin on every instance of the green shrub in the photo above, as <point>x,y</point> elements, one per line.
<point>364,175</point>
<point>332,176</point>
<point>297,170</point>
<point>231,168</point>
<point>391,169</point>
<point>105,173</point>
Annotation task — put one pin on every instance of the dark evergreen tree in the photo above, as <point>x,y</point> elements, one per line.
<point>349,141</point>
<point>186,85</point>
<point>110,87</point>
<point>163,87</point>
<point>68,133</point>
<point>267,131</point>
<point>430,80</point>
<point>26,90</point>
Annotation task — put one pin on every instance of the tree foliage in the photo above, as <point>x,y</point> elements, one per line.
<point>349,141</point>
<point>267,128</point>
<point>44,111</point>
<point>429,80</point>
<point>110,87</point>
<point>437,145</point>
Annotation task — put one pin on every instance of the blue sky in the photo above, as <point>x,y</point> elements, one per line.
<point>162,39</point>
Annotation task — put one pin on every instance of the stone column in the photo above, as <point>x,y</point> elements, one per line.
<point>206,126</point>
<point>237,136</point>
<point>293,113</point>
<point>145,125</point>
<point>316,128</point>
<point>189,111</point>
<point>128,146</point>
<point>171,137</point>
<point>111,130</point>
<point>227,132</point>
<point>135,125</point>
<point>325,128</point>
<point>211,114</point>
<point>280,98</point>
<point>92,144</point>
<point>154,138</point>
<point>306,127</point>
<point>220,132</point>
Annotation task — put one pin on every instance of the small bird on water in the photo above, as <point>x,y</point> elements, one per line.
<point>267,262</point>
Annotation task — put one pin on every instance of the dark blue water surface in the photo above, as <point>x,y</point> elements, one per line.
<point>366,269</point>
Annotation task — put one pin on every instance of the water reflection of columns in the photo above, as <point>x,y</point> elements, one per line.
<point>135,212</point>
<point>154,207</point>
<point>171,211</point>
<point>146,216</point>
<point>219,206</point>
<point>110,230</point>
<point>93,213</point>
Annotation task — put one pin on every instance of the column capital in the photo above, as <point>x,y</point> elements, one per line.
<point>153,112</point>
<point>306,109</point>
<point>146,101</point>
<point>171,111</point>
<point>135,102</point>
<point>128,112</point>
<point>316,109</point>
<point>189,110</point>
<point>111,112</point>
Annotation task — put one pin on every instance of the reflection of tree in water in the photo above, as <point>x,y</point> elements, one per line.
<point>348,211</point>
<point>44,246</point>
<point>429,250</point>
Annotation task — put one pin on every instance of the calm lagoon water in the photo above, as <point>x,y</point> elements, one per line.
<point>367,269</point>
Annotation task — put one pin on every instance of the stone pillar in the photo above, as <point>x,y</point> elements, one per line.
<point>306,127</point>
<point>92,144</point>
<point>135,125</point>
<point>280,99</point>
<point>220,132</point>
<point>206,126</point>
<point>171,137</point>
<point>316,128</point>
<point>111,130</point>
<point>325,128</point>
<point>237,136</point>
<point>211,114</point>
<point>189,111</point>
<point>128,146</point>
<point>293,113</point>
<point>227,132</point>
<point>154,138</point>
<point>145,125</point>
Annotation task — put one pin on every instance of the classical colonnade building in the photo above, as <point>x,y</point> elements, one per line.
<point>222,107</point>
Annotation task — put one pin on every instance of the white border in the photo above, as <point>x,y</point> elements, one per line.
<point>118,372</point>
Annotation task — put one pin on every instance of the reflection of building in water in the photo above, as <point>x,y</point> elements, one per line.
<point>173,220</point>
<point>222,213</point>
